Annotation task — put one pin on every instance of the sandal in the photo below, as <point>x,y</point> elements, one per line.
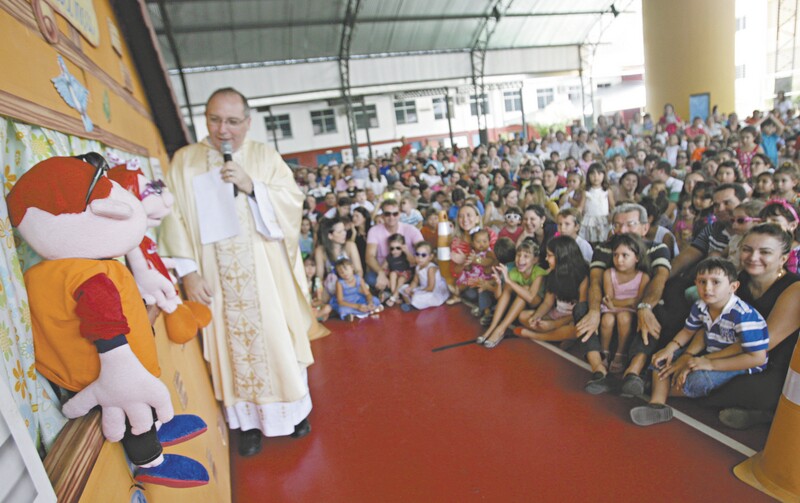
<point>489,344</point>
<point>390,301</point>
<point>453,300</point>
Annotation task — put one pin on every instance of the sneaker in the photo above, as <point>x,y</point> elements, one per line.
<point>598,384</point>
<point>475,311</point>
<point>742,419</point>
<point>633,385</point>
<point>648,415</point>
<point>405,307</point>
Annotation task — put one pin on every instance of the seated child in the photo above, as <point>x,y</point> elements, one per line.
<point>397,267</point>
<point>428,288</point>
<point>520,285</point>
<point>703,204</point>
<point>765,185</point>
<point>684,222</point>
<point>430,230</point>
<point>353,298</point>
<point>723,337</point>
<point>513,224</point>
<point>567,284</point>
<point>575,196</point>
<point>320,309</point>
<point>478,267</point>
<point>569,224</point>
<point>306,238</point>
<point>505,252</point>
<point>409,214</point>
<point>623,287</point>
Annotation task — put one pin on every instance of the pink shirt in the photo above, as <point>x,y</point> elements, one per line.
<point>378,235</point>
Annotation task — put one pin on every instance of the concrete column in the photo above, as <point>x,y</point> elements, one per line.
<point>688,49</point>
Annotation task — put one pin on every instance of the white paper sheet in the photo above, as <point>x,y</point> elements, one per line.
<point>216,207</point>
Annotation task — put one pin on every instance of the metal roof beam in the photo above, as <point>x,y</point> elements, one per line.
<point>174,48</point>
<point>428,52</point>
<point>377,19</point>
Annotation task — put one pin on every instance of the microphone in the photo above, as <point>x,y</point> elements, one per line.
<point>227,156</point>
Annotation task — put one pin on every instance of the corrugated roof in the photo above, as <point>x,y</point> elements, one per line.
<point>211,33</point>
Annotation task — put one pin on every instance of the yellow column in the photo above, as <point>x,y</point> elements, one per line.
<point>688,49</point>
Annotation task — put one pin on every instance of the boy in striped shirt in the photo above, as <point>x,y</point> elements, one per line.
<point>722,338</point>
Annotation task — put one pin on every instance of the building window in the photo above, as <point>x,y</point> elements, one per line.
<point>740,72</point>
<point>278,127</point>
<point>513,100</point>
<point>473,104</point>
<point>544,97</point>
<point>323,121</point>
<point>439,108</point>
<point>574,93</point>
<point>405,112</point>
<point>365,114</point>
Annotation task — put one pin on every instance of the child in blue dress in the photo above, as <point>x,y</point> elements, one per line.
<point>353,298</point>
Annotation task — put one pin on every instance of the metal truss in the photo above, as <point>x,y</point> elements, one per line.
<point>585,71</point>
<point>348,26</point>
<point>478,60</point>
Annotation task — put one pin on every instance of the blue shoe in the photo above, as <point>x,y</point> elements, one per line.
<point>405,307</point>
<point>180,429</point>
<point>176,471</point>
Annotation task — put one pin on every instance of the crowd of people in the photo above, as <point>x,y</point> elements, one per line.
<point>587,238</point>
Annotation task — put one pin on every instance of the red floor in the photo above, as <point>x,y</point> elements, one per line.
<point>394,421</point>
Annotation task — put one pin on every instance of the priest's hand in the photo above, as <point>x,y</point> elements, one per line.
<point>235,174</point>
<point>197,289</point>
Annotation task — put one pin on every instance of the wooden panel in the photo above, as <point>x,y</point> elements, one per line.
<point>73,456</point>
<point>22,11</point>
<point>121,117</point>
<point>34,113</point>
<point>184,372</point>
